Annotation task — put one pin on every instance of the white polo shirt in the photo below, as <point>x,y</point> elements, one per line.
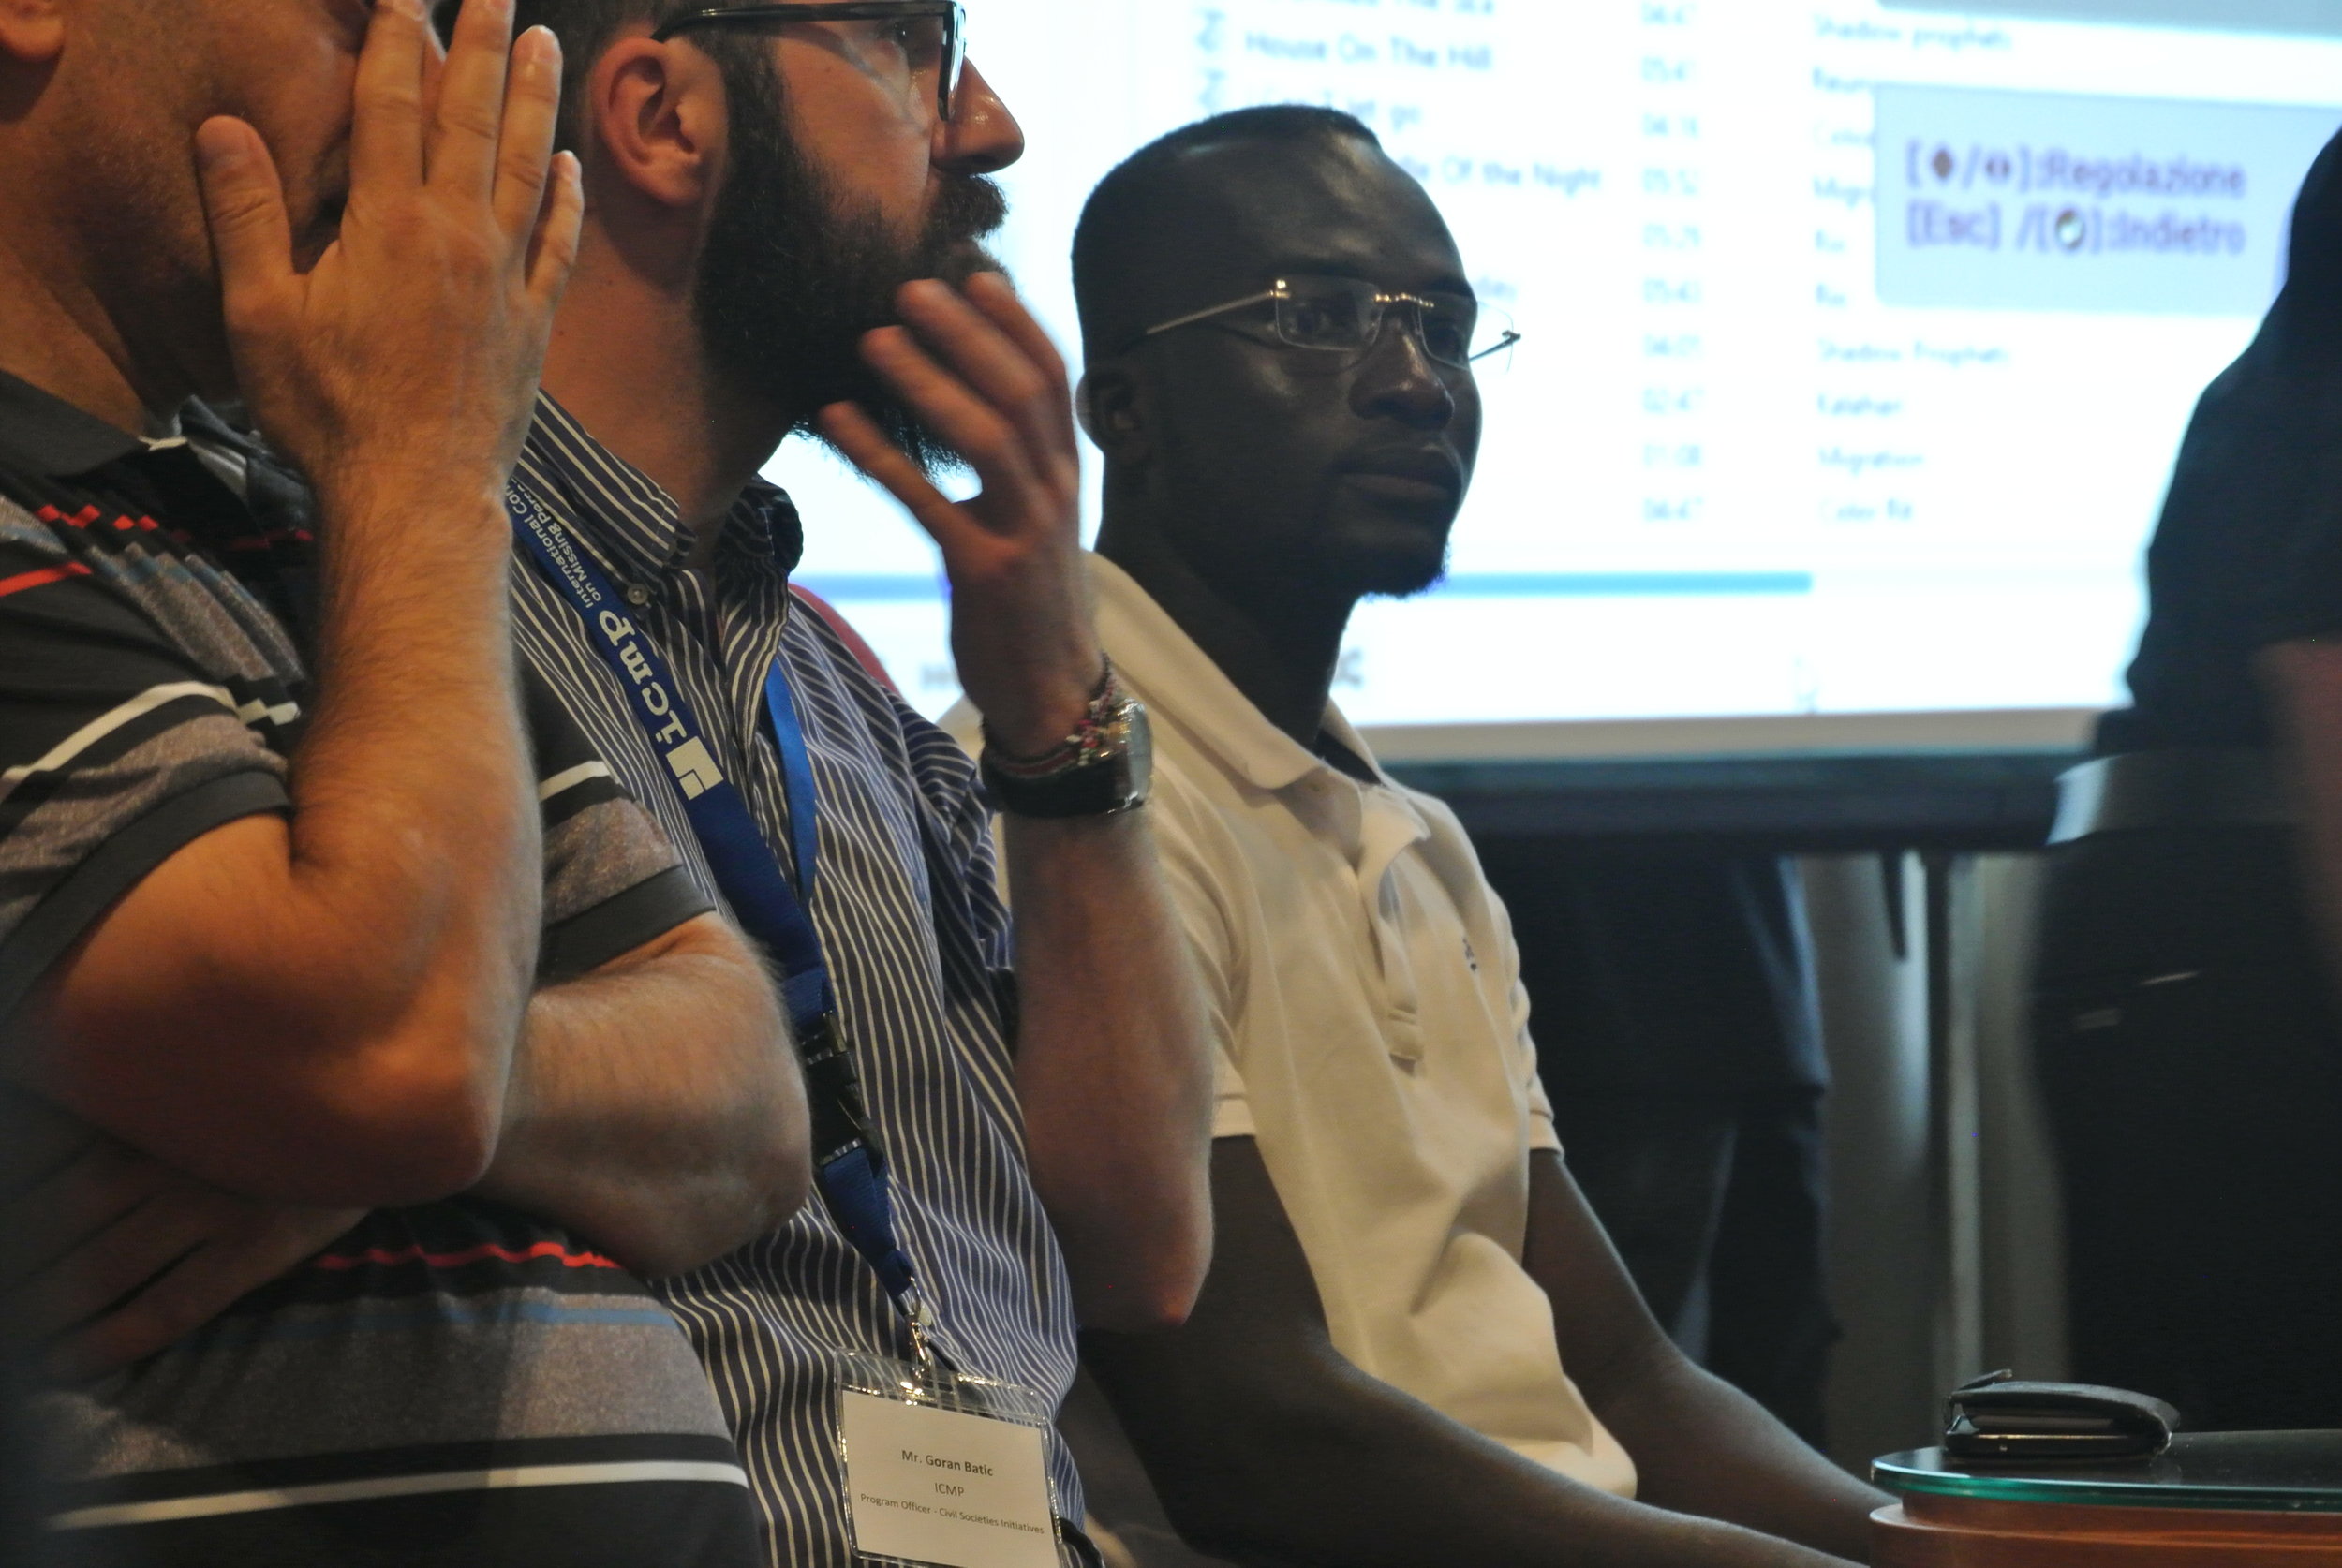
<point>1365,996</point>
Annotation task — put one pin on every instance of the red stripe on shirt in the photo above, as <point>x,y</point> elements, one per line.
<point>383,1257</point>
<point>40,578</point>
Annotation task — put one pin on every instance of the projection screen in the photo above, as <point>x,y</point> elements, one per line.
<point>1859,337</point>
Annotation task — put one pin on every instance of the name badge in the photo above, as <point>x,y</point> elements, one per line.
<point>947,1471</point>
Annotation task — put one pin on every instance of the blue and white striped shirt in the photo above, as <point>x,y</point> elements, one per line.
<point>917,944</point>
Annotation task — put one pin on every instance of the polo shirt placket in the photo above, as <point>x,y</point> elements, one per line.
<point>1372,1039</point>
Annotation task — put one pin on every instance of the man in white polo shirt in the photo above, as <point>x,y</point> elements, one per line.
<point>1415,1345</point>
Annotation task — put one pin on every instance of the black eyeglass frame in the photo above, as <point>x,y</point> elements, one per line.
<point>952,14</point>
<point>1384,299</point>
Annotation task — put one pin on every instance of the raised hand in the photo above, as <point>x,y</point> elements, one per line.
<point>403,363</point>
<point>980,372</point>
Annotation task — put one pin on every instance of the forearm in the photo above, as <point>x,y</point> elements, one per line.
<point>1703,1447</point>
<point>414,807</point>
<point>318,1007</point>
<point>1112,1069</point>
<point>1330,1467</point>
<point>656,1110</point>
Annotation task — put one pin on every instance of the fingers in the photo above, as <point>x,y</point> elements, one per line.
<point>136,1249</point>
<point>553,253</point>
<point>856,434</point>
<point>37,1140</point>
<point>532,99</point>
<point>434,61</point>
<point>386,128</point>
<point>1028,391</point>
<point>243,205</point>
<point>206,1283</point>
<point>969,424</point>
<point>994,295</point>
<point>80,1199</point>
<point>468,127</point>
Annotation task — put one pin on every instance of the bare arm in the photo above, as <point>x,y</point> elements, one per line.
<point>1267,1446</point>
<point>1701,1445</point>
<point>321,1007</point>
<point>655,1107</point>
<point>1117,1118</point>
<point>1113,1072</point>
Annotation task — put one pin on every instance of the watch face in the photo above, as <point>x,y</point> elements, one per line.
<point>1139,752</point>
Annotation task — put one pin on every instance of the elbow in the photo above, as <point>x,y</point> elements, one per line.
<point>658,1233</point>
<point>770,1190</point>
<point>787,1190</point>
<point>386,1107</point>
<point>1143,1305</point>
<point>342,1081</point>
<point>1137,1273</point>
<point>411,1122</point>
<point>411,1085</point>
<point>1143,1291</point>
<point>786,1168</point>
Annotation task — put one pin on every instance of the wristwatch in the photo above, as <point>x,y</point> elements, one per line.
<point>1104,766</point>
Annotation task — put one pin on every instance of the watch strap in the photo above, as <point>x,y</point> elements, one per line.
<point>1110,773</point>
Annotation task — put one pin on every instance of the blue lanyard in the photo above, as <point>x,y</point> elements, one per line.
<point>850,1164</point>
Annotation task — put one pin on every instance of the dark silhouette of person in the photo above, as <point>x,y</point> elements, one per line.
<point>2185,1009</point>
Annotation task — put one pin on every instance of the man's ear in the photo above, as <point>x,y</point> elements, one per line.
<point>1108,404</point>
<point>655,120</point>
<point>32,32</point>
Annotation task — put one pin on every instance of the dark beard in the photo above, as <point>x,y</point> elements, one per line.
<point>792,276</point>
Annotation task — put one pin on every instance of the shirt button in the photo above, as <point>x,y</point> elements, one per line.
<point>637,595</point>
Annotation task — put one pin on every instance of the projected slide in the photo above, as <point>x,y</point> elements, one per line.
<point>1858,335</point>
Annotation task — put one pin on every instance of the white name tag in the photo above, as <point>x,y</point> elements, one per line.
<point>939,1487</point>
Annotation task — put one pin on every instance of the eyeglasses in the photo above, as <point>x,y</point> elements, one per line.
<point>1345,316</point>
<point>931,35</point>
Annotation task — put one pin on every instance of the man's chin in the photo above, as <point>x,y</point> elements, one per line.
<point>1388,556</point>
<point>973,257</point>
<point>1394,573</point>
<point>1407,581</point>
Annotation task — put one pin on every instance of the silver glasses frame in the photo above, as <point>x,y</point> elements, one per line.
<point>1384,299</point>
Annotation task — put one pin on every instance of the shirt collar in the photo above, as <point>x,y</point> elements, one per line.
<point>47,436</point>
<point>1176,678</point>
<point>634,525</point>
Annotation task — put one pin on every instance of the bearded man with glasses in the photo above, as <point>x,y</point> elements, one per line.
<point>785,210</point>
<point>1416,1344</point>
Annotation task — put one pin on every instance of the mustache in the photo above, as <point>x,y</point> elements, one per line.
<point>969,208</point>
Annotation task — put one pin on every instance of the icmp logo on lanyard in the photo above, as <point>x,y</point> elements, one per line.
<point>687,755</point>
<point>943,1468</point>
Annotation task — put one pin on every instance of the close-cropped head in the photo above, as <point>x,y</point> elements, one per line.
<point>1279,331</point>
<point>99,101</point>
<point>834,151</point>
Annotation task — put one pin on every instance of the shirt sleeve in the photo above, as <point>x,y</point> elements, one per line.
<point>1540,1105</point>
<point>612,881</point>
<point>1212,941</point>
<point>117,749</point>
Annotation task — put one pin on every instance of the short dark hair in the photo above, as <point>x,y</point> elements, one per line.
<point>1116,222</point>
